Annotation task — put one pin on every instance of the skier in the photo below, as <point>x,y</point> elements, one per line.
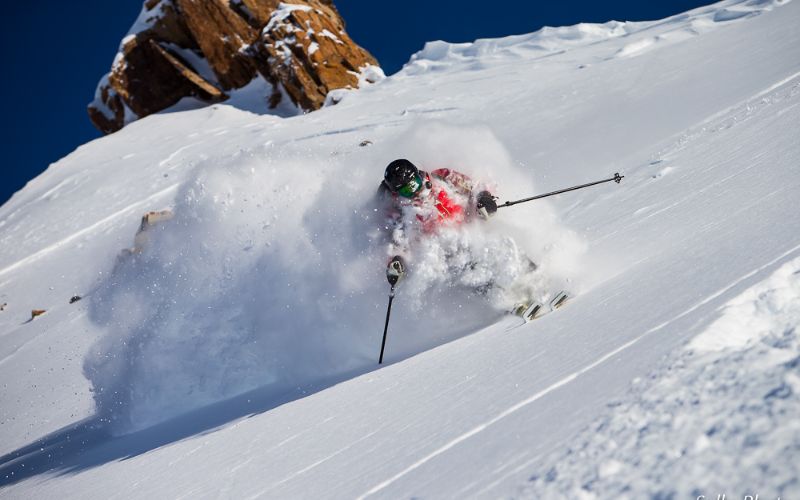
<point>419,203</point>
<point>428,200</point>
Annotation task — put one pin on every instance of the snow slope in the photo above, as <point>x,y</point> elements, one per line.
<point>259,308</point>
<point>682,421</point>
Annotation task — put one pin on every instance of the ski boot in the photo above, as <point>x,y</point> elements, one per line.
<point>528,311</point>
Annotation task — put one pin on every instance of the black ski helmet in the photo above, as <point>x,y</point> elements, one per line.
<point>399,173</point>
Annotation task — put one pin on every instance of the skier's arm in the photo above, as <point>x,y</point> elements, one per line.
<point>484,201</point>
<point>485,204</point>
<point>461,182</point>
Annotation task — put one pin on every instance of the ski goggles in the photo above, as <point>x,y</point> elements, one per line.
<point>409,189</point>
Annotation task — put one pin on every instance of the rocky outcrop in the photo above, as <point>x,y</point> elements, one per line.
<point>223,38</point>
<point>207,49</point>
<point>309,52</point>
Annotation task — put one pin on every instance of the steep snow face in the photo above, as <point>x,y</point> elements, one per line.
<point>270,274</point>
<point>267,277</point>
<point>718,417</point>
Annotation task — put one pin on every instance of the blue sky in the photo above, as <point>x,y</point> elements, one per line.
<point>54,52</point>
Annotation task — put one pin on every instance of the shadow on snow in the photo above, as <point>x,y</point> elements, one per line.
<point>87,444</point>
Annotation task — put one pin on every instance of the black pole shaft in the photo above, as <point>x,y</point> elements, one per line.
<point>617,178</point>
<point>386,326</point>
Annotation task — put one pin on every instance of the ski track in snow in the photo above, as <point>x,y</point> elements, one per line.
<point>747,108</point>
<point>751,350</point>
<point>138,206</point>
<point>569,378</point>
<point>28,339</point>
<point>168,160</point>
<point>315,464</point>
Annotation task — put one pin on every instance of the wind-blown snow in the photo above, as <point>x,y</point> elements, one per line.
<point>549,41</point>
<point>268,274</point>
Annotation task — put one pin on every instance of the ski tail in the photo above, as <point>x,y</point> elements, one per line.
<point>528,311</point>
<point>533,309</point>
<point>559,300</point>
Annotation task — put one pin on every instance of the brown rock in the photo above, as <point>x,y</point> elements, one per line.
<point>222,36</point>
<point>149,220</point>
<point>107,112</point>
<point>167,24</point>
<point>142,237</point>
<point>310,53</point>
<point>201,48</point>
<point>256,12</point>
<point>202,88</point>
<point>151,79</point>
<point>142,79</point>
<point>37,312</point>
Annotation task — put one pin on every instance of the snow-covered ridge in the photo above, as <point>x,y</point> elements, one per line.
<point>553,40</point>
<point>545,41</point>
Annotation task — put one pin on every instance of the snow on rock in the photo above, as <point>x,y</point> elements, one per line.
<point>719,417</point>
<point>281,13</point>
<point>308,51</point>
<point>205,51</point>
<point>370,74</point>
<point>366,77</point>
<point>261,97</point>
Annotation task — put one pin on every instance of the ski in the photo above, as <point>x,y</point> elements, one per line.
<point>535,309</point>
<point>559,300</point>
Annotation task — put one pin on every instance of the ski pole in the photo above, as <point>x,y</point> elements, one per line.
<point>386,326</point>
<point>394,272</point>
<point>617,178</point>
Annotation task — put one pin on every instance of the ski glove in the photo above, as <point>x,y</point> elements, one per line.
<point>486,204</point>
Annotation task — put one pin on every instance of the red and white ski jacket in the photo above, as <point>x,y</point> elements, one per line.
<point>446,198</point>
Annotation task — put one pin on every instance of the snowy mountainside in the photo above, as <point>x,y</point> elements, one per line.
<point>684,421</point>
<point>259,307</point>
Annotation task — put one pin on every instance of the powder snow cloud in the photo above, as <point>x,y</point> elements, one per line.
<point>271,274</point>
